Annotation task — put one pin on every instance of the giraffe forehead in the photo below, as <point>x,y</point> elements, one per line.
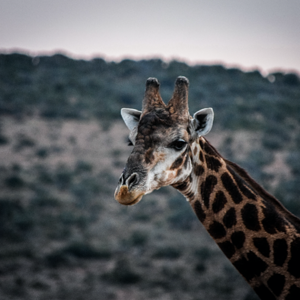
<point>156,128</point>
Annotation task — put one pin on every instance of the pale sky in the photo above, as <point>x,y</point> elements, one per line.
<point>263,34</point>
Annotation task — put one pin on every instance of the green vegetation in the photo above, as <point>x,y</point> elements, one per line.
<point>59,87</point>
<point>62,234</point>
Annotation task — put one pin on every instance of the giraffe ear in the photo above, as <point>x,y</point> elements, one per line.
<point>131,117</point>
<point>203,121</point>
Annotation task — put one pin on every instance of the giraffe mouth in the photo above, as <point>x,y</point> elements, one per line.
<point>126,197</point>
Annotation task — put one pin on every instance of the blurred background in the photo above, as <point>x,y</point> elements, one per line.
<point>66,70</point>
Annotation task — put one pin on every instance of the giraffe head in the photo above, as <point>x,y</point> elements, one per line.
<point>162,136</point>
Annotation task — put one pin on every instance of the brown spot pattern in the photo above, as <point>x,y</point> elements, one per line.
<point>238,239</point>
<point>243,186</point>
<point>201,156</point>
<point>177,163</point>
<point>250,217</point>
<point>276,283</point>
<point>231,188</point>
<point>262,246</point>
<point>229,218</point>
<point>272,222</point>
<point>199,211</point>
<point>219,202</point>
<point>294,293</point>
<point>209,150</point>
<point>212,163</point>
<point>264,293</point>
<point>280,250</point>
<point>250,266</point>
<point>217,230</point>
<point>195,151</point>
<point>207,188</point>
<point>228,248</point>
<point>199,170</point>
<point>294,263</point>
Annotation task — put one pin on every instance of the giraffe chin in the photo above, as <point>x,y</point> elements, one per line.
<point>126,197</point>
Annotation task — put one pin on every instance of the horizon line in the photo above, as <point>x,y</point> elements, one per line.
<point>118,59</point>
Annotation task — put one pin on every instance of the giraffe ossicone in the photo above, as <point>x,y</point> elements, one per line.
<point>256,233</point>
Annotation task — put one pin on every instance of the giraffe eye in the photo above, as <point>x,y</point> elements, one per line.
<point>178,145</point>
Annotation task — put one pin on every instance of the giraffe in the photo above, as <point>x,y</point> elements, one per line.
<point>252,228</point>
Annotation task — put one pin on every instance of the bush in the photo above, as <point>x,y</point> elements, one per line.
<point>276,136</point>
<point>167,252</point>
<point>79,250</point>
<point>14,182</point>
<point>291,79</point>
<point>138,238</point>
<point>63,177</point>
<point>44,175</point>
<point>272,142</point>
<point>182,215</point>
<point>123,273</point>
<point>200,267</point>
<point>4,140</point>
<point>56,259</point>
<point>19,251</point>
<point>24,142</point>
<point>254,163</point>
<point>42,152</point>
<point>251,295</point>
<point>44,199</point>
<point>83,166</point>
<point>15,220</point>
<point>288,193</point>
<point>260,157</point>
<point>86,251</point>
<point>293,160</point>
<point>204,253</point>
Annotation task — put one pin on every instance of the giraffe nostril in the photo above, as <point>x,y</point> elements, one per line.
<point>132,180</point>
<point>121,179</point>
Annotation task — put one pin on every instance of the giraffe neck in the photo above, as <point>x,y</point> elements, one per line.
<point>256,233</point>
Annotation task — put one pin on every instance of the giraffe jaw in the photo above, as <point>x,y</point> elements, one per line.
<point>126,197</point>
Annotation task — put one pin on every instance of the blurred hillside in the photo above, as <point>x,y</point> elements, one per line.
<point>63,147</point>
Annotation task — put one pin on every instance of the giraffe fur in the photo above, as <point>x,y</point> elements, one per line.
<point>252,228</point>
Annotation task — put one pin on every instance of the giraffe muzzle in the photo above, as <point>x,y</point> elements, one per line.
<point>126,192</point>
